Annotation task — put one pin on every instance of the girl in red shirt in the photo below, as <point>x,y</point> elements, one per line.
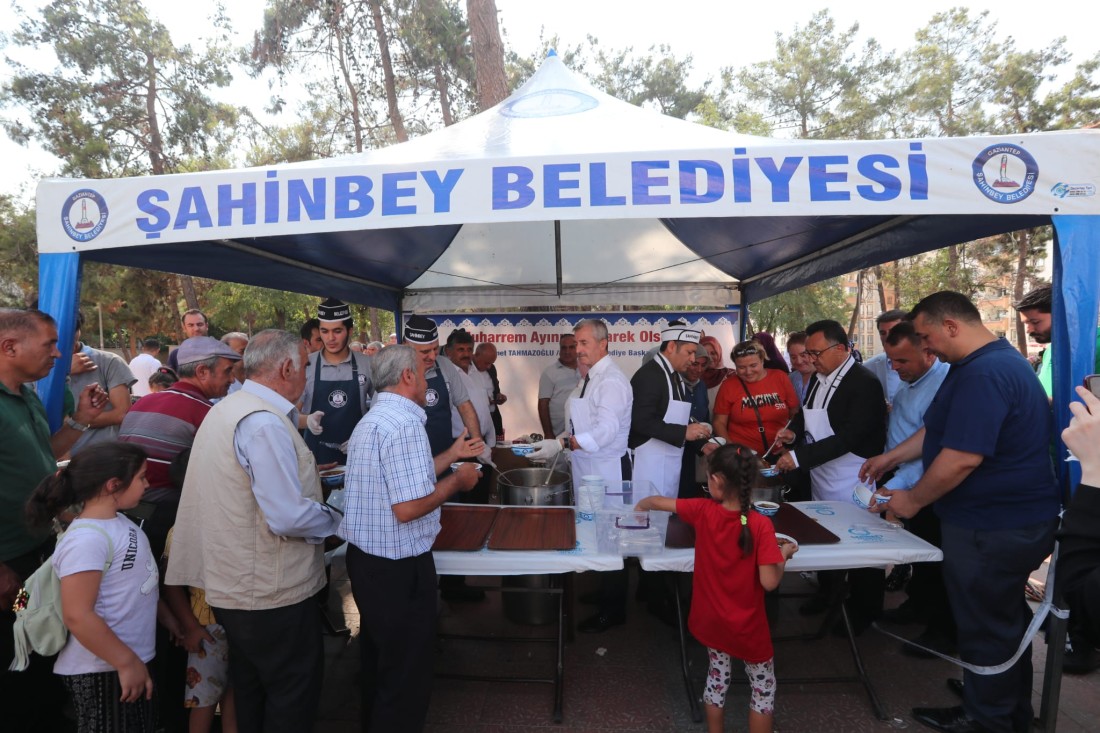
<point>727,608</point>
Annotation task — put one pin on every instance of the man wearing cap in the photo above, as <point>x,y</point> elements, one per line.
<point>446,391</point>
<point>659,418</point>
<point>338,386</point>
<point>164,424</point>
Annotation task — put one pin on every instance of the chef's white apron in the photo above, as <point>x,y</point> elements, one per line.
<point>657,464</point>
<point>583,463</point>
<point>833,480</point>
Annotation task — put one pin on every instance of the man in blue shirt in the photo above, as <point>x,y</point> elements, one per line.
<point>987,469</point>
<point>392,519</point>
<point>920,375</point>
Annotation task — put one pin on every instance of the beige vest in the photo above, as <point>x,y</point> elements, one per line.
<point>221,542</point>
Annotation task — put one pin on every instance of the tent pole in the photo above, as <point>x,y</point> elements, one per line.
<point>557,252</point>
<point>59,277</point>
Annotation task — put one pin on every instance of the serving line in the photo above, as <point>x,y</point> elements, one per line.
<point>865,542</point>
<point>584,557</point>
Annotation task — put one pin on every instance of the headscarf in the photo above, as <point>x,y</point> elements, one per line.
<point>714,374</point>
<point>772,358</point>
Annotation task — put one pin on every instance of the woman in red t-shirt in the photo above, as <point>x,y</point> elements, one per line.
<point>727,607</point>
<point>754,403</point>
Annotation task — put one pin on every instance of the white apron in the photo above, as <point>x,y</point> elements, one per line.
<point>658,462</point>
<point>584,463</point>
<point>833,480</point>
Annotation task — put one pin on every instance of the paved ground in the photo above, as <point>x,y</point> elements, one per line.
<point>628,678</point>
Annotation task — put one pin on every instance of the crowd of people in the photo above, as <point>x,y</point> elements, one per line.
<point>192,570</point>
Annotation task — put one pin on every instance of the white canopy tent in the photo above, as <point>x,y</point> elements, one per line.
<point>564,196</point>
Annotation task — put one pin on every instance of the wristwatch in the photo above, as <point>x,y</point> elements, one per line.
<point>76,425</point>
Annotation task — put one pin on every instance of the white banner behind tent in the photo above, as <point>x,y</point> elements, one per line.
<point>527,343</point>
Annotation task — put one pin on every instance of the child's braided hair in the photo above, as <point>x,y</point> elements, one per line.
<point>737,467</point>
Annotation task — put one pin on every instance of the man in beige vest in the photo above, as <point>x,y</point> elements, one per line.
<point>250,531</point>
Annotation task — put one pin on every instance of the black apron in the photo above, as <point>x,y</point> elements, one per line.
<point>438,408</point>
<point>342,403</point>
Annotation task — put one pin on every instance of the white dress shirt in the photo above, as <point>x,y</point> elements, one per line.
<point>610,398</point>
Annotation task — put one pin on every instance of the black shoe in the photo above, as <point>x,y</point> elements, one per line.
<point>898,577</point>
<point>955,685</point>
<point>601,622</point>
<point>591,598</point>
<point>903,615</point>
<point>948,720</point>
<point>463,594</point>
<point>1080,657</point>
<point>815,606</point>
<point>934,640</point>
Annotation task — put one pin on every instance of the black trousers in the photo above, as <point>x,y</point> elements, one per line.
<point>397,607</point>
<point>926,590</point>
<point>276,666</point>
<point>984,571</point>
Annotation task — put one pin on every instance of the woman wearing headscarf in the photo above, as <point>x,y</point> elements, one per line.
<point>772,358</point>
<point>715,373</point>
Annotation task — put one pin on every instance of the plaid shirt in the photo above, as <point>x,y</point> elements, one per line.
<point>389,462</point>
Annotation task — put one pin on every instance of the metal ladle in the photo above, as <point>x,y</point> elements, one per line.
<point>550,471</point>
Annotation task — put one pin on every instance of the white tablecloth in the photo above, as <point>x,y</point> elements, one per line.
<point>583,557</point>
<point>865,542</point>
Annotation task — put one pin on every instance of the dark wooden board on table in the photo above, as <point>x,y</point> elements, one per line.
<point>464,528</point>
<point>534,528</point>
<point>788,520</point>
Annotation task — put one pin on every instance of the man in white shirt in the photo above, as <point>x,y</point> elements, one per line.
<point>145,365</point>
<point>556,383</point>
<point>598,429</point>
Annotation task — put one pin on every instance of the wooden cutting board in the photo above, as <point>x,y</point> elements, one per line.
<point>464,528</point>
<point>534,528</point>
<point>790,521</point>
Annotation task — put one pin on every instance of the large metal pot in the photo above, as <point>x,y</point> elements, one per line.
<point>770,486</point>
<point>532,487</point>
<point>535,487</point>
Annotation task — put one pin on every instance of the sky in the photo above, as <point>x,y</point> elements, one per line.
<point>716,33</point>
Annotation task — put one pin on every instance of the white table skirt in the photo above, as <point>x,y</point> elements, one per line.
<point>865,542</point>
<point>582,558</point>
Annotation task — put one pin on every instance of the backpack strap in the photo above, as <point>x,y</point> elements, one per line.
<point>110,544</point>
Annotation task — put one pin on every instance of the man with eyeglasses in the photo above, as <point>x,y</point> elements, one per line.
<point>842,423</point>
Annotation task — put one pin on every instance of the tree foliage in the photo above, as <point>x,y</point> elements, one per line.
<point>796,309</point>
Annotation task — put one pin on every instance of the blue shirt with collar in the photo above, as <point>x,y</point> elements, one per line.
<point>907,417</point>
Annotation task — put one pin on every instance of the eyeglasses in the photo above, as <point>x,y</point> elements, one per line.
<point>745,351</point>
<point>815,354</point>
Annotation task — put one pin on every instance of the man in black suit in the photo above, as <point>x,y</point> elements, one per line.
<point>842,423</point>
<point>660,418</point>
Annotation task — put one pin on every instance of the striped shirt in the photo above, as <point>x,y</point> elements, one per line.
<point>389,462</point>
<point>164,424</point>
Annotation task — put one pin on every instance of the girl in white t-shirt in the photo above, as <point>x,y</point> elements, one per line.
<point>111,614</point>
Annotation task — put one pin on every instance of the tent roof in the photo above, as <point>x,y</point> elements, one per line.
<point>563,195</point>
